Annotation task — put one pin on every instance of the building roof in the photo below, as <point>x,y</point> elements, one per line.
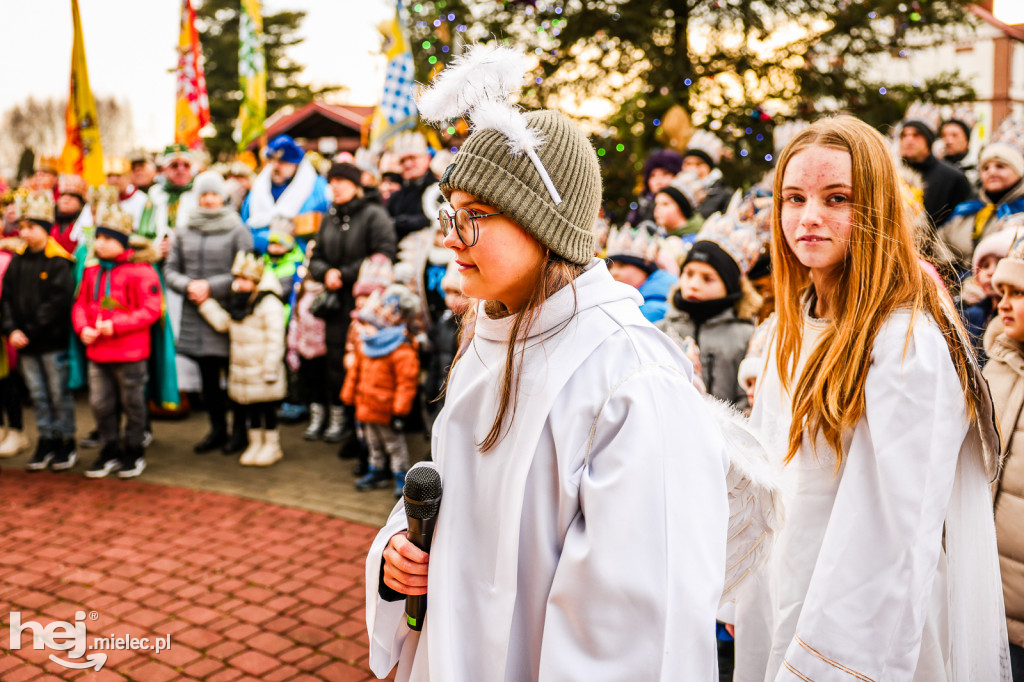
<point>985,14</point>
<point>319,119</point>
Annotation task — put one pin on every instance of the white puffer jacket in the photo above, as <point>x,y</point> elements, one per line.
<point>256,371</point>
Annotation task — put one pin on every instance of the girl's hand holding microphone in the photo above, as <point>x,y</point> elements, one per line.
<point>405,566</point>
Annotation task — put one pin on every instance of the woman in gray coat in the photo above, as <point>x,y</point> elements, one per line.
<point>199,267</point>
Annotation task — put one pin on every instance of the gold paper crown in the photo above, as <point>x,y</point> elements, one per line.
<point>708,143</point>
<point>638,243</point>
<point>1010,131</point>
<point>248,265</point>
<point>741,238</point>
<point>47,164</point>
<point>73,184</point>
<point>34,207</point>
<point>1017,248</point>
<point>113,217</point>
<point>926,113</point>
<point>104,194</point>
<point>963,112</point>
<point>116,165</point>
<point>410,143</point>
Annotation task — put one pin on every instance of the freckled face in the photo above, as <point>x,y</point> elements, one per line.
<point>817,213</point>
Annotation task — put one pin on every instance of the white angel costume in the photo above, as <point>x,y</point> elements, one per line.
<point>590,543</point>
<point>887,568</point>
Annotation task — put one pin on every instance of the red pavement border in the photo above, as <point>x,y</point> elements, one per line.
<point>245,589</point>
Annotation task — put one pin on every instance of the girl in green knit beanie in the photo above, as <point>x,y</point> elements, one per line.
<point>551,556</point>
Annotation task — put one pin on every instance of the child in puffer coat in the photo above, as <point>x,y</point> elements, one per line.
<point>118,301</point>
<point>382,384</point>
<point>254,320</point>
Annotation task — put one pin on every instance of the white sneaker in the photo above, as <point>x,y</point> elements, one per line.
<point>136,468</point>
<point>14,441</point>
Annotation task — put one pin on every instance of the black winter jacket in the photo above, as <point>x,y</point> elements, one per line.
<point>350,233</point>
<point>38,292</point>
<point>406,205</point>
<point>944,188</point>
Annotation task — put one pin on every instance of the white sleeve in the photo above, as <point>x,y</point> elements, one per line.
<point>385,621</point>
<point>637,586</point>
<point>865,608</point>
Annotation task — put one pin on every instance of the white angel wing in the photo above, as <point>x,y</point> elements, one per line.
<point>755,498</point>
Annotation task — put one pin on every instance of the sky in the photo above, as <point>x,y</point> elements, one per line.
<point>130,48</point>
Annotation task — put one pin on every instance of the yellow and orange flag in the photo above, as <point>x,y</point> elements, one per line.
<point>192,109</point>
<point>83,152</point>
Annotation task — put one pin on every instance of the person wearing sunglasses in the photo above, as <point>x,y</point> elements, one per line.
<point>551,557</point>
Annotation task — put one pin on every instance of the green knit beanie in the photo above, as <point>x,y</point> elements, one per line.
<point>485,168</point>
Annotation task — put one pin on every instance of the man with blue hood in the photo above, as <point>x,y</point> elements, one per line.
<point>286,187</point>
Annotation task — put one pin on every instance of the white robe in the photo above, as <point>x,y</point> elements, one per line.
<point>859,586</point>
<point>589,544</point>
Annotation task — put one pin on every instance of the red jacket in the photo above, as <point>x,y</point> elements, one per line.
<point>130,295</point>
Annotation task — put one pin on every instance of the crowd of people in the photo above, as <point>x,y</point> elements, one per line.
<point>846,303</point>
<point>345,293</point>
<point>287,293</point>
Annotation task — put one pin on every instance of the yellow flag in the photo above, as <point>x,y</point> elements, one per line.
<point>252,74</point>
<point>192,109</point>
<point>83,153</point>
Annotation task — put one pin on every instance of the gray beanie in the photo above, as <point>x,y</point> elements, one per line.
<point>485,168</point>
<point>209,182</point>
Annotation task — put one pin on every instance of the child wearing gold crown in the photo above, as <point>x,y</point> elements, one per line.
<point>254,321</point>
<point>118,300</point>
<point>35,316</point>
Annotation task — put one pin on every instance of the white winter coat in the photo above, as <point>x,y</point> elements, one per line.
<point>256,371</point>
<point>589,544</point>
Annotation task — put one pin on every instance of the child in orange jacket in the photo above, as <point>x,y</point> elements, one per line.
<point>382,384</point>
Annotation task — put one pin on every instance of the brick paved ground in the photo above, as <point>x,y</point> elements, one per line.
<point>258,588</point>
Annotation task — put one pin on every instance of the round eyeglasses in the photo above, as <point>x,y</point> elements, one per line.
<point>464,222</point>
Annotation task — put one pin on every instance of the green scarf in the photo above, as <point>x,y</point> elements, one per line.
<point>174,193</point>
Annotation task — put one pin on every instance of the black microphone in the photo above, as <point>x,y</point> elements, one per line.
<point>422,502</point>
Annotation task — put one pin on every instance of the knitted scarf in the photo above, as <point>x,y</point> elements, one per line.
<point>384,342</point>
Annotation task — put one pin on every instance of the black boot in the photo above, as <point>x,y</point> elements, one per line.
<point>216,438</point>
<point>362,455</point>
<point>239,440</point>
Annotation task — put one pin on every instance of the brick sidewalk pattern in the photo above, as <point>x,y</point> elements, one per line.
<point>247,590</point>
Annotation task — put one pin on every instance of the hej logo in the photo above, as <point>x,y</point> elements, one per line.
<point>72,638</point>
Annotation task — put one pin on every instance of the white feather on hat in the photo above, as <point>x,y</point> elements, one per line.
<point>478,84</point>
